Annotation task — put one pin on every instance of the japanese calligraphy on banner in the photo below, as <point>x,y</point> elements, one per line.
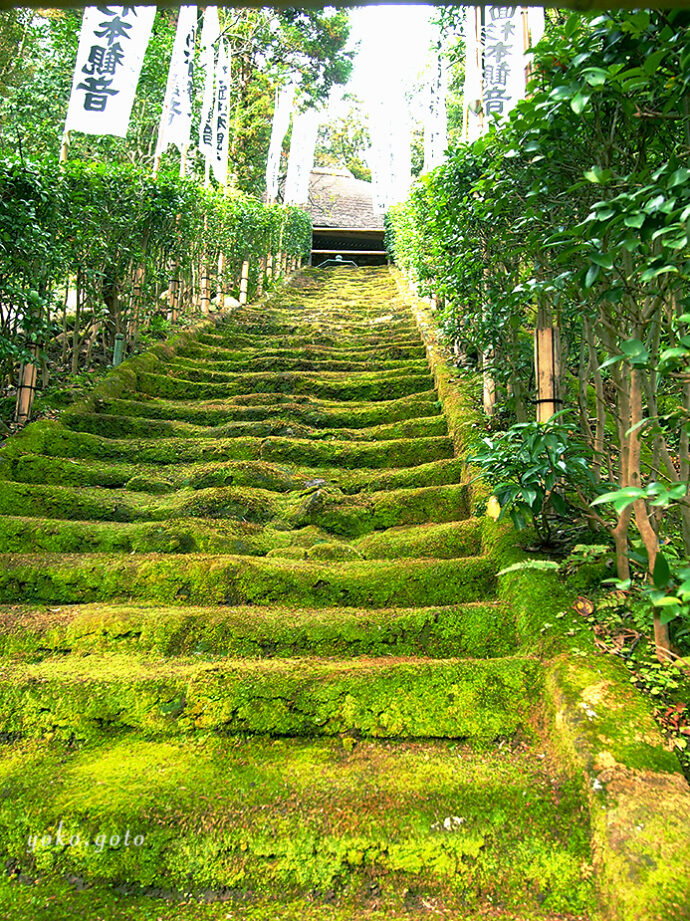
<point>282,112</point>
<point>176,120</point>
<point>305,128</point>
<point>496,67</point>
<point>221,117</point>
<point>111,50</point>
<point>210,33</point>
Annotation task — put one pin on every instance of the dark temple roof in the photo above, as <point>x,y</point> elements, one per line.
<point>338,200</point>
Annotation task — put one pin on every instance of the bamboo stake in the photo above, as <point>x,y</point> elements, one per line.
<point>26,390</point>
<point>547,362</point>
<point>244,282</point>
<point>64,147</point>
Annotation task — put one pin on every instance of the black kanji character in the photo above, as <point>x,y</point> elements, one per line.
<point>114,29</point>
<point>97,92</point>
<point>104,60</point>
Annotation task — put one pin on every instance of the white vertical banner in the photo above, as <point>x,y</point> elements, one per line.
<point>176,120</point>
<point>221,117</point>
<point>305,128</point>
<point>391,157</point>
<point>436,121</point>
<point>504,60</point>
<point>282,112</point>
<point>537,24</point>
<point>210,33</point>
<point>472,96</point>
<point>112,44</point>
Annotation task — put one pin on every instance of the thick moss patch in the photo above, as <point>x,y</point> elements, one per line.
<point>295,816</point>
<point>83,696</point>
<point>195,579</point>
<point>471,630</point>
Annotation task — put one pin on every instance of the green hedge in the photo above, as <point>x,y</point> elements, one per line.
<point>120,237</point>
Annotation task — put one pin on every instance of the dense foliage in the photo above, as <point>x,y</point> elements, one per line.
<point>92,250</point>
<point>573,215</point>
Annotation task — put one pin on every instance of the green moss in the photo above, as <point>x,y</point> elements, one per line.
<point>258,817</point>
<point>195,579</point>
<point>81,696</point>
<point>363,387</point>
<point>309,411</point>
<point>440,541</point>
<point>470,630</point>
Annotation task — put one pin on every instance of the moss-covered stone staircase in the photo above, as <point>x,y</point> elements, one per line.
<point>253,663</point>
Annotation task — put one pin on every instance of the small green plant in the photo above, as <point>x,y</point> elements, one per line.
<point>536,470</point>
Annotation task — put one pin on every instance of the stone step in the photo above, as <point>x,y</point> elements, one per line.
<point>328,509</point>
<point>474,630</point>
<point>301,408</point>
<point>309,352</point>
<point>334,340</point>
<point>414,822</point>
<point>368,387</point>
<point>236,537</point>
<point>123,426</point>
<point>166,478</point>
<point>281,361</point>
<point>79,697</point>
<point>23,896</point>
<point>53,439</point>
<point>181,579</point>
<point>206,373</point>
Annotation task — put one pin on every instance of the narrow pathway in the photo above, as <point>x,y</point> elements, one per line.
<point>248,617</point>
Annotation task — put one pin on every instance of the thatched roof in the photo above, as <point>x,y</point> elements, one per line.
<point>338,200</point>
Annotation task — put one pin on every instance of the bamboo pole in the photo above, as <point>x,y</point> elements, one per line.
<point>547,361</point>
<point>26,390</point>
<point>64,147</point>
<point>244,282</point>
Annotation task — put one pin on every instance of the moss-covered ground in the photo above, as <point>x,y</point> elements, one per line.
<point>247,616</point>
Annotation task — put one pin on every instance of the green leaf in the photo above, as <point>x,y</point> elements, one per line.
<point>605,260</point>
<point>662,573</point>
<point>679,177</point>
<point>595,76</point>
<point>579,102</point>
<point>634,220</point>
<point>592,275</point>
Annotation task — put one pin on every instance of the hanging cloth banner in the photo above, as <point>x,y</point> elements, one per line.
<point>436,123</point>
<point>305,128</point>
<point>537,24</point>
<point>112,44</point>
<point>391,158</point>
<point>210,33</point>
<point>176,120</point>
<point>472,105</point>
<point>221,117</point>
<point>282,112</point>
<point>504,60</point>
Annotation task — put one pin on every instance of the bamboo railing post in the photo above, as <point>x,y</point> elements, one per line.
<point>547,361</point>
<point>244,282</point>
<point>26,389</point>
